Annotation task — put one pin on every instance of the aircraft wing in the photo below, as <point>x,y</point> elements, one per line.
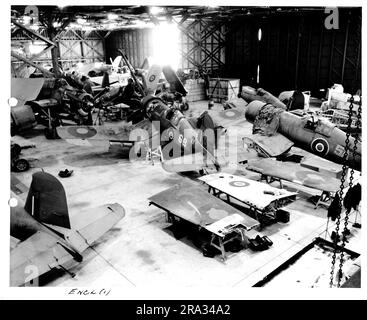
<point>91,224</point>
<point>119,78</point>
<point>25,89</point>
<point>229,117</point>
<point>253,193</point>
<point>173,80</point>
<point>35,256</point>
<point>152,78</point>
<point>193,203</point>
<point>271,146</point>
<point>294,173</point>
<point>192,162</point>
<point>142,131</point>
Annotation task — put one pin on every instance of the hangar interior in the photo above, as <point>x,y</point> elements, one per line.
<point>186,146</point>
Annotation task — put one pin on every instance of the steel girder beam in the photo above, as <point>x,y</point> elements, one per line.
<point>30,31</point>
<point>30,61</point>
<point>27,61</point>
<point>199,32</point>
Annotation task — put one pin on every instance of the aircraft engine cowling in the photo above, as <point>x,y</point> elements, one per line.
<point>22,118</point>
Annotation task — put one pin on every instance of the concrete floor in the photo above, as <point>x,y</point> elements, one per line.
<point>140,250</point>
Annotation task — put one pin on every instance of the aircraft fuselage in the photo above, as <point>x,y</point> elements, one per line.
<point>315,135</point>
<point>174,126</point>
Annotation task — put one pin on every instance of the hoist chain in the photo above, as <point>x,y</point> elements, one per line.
<point>341,191</point>
<point>350,186</point>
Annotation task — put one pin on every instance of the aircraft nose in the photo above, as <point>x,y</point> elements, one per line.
<point>253,109</point>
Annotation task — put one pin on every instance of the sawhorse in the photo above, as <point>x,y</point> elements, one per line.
<point>269,179</point>
<point>154,153</point>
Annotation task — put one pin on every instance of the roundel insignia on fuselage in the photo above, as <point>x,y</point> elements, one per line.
<point>82,132</point>
<point>320,146</point>
<point>152,78</point>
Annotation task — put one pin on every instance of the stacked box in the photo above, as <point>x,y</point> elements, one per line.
<point>196,90</point>
<point>222,89</point>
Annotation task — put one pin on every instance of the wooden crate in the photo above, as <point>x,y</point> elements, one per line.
<point>222,89</point>
<point>196,92</point>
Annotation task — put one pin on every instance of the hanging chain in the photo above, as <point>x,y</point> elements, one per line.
<point>340,204</point>
<point>350,186</point>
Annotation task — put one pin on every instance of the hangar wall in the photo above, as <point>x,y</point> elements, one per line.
<point>201,43</point>
<point>136,44</point>
<point>296,51</point>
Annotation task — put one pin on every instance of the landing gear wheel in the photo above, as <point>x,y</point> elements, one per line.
<point>185,107</point>
<point>21,165</point>
<point>51,133</point>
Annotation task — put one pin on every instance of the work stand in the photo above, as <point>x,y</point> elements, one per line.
<point>269,179</point>
<point>154,154</point>
<point>357,224</point>
<point>323,199</point>
<point>327,233</point>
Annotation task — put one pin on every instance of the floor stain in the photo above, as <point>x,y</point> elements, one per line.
<point>91,159</point>
<point>145,256</point>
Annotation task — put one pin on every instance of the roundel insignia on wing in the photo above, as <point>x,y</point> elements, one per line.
<point>152,78</point>
<point>306,176</point>
<point>239,184</point>
<point>230,114</point>
<point>320,146</point>
<point>82,132</point>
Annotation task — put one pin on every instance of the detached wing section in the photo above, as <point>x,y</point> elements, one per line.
<point>26,89</point>
<point>105,132</point>
<point>92,135</point>
<point>294,173</point>
<point>270,146</point>
<point>91,224</point>
<point>193,203</point>
<point>152,78</point>
<point>228,118</point>
<point>35,256</point>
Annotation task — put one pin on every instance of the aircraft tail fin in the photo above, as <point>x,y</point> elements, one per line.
<point>46,200</point>
<point>116,62</point>
<point>105,80</point>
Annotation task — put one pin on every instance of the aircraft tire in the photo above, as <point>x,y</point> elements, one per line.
<point>21,165</point>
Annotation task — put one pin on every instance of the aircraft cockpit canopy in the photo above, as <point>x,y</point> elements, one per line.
<point>319,125</point>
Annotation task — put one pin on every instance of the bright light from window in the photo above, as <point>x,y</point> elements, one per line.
<point>155,10</point>
<point>80,64</point>
<point>81,20</point>
<point>87,28</point>
<point>112,16</point>
<point>259,35</point>
<point>34,27</point>
<point>165,45</point>
<point>36,47</point>
<point>98,65</point>
<point>258,74</point>
<point>56,24</point>
<point>27,20</point>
